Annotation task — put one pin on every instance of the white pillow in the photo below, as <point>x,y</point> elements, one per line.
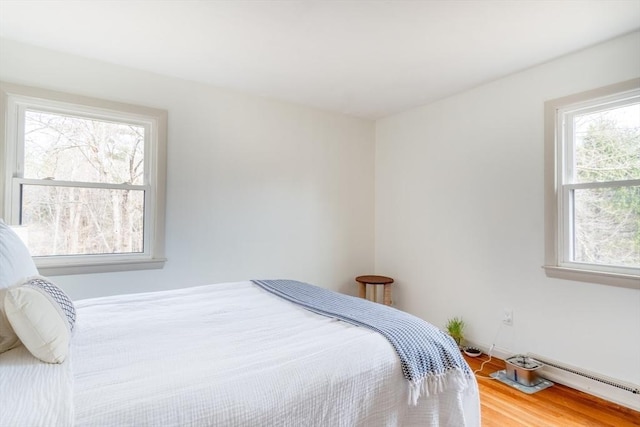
<point>16,265</point>
<point>15,261</point>
<point>43,317</point>
<point>8,338</point>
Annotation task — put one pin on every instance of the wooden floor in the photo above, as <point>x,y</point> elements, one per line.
<point>561,406</point>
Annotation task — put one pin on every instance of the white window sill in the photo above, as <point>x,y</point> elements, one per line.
<point>67,268</point>
<point>590,276</point>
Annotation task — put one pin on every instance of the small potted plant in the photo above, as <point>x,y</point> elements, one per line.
<point>455,328</point>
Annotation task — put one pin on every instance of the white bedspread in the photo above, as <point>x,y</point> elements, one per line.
<point>34,393</point>
<point>248,359</point>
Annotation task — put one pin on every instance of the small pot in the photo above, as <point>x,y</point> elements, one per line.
<point>472,352</point>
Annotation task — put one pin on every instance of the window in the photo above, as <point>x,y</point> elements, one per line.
<point>592,167</point>
<point>85,178</point>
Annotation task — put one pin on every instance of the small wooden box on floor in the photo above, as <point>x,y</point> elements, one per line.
<point>375,281</point>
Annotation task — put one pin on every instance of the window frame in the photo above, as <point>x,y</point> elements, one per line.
<point>17,99</point>
<point>558,263</point>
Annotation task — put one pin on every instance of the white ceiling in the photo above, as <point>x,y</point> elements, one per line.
<point>365,58</point>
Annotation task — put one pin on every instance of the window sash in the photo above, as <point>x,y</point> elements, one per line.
<point>566,133</point>
<point>20,105</point>
<point>148,217</point>
<point>566,242</point>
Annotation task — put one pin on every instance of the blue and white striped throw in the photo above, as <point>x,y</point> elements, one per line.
<point>430,359</point>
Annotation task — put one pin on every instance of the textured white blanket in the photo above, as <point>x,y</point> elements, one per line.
<point>234,355</point>
<point>34,393</point>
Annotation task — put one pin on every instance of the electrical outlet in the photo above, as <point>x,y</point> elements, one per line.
<point>507,317</point>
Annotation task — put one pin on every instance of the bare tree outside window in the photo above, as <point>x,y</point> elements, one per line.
<point>86,178</point>
<point>77,213</point>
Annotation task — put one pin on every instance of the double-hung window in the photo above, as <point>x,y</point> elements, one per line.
<point>85,180</point>
<point>593,186</point>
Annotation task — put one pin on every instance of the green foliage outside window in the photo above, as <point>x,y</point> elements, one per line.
<point>607,219</point>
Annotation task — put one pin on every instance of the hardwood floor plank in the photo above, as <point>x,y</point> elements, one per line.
<point>558,405</point>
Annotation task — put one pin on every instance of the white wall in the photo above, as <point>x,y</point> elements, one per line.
<point>460,220</point>
<point>255,188</point>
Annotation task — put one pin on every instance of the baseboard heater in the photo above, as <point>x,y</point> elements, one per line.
<point>624,393</point>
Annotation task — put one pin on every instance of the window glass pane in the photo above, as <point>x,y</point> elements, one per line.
<point>69,148</point>
<point>82,221</point>
<point>607,226</point>
<point>607,145</point>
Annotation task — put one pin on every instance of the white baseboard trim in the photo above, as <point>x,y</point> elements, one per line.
<point>576,378</point>
<point>498,352</point>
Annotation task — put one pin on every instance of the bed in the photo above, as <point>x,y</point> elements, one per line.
<point>230,354</point>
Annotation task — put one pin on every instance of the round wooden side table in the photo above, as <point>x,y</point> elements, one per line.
<point>363,281</point>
